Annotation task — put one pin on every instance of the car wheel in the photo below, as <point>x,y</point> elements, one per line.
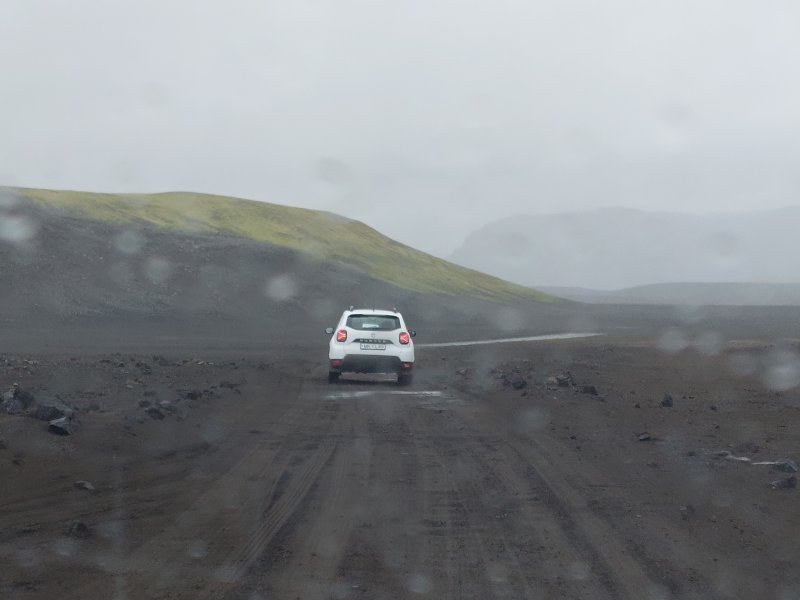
<point>404,379</point>
<point>333,377</point>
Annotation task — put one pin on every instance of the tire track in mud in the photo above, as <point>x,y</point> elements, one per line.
<point>316,532</point>
<point>251,484</point>
<point>454,509</point>
<point>287,497</point>
<point>453,553</point>
<point>500,540</point>
<point>610,561</point>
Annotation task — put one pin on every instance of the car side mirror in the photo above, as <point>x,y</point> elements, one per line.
<point>412,332</point>
<point>329,330</point>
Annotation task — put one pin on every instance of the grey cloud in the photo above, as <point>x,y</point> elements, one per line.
<point>442,116</point>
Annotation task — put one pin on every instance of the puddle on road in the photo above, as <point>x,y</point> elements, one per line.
<point>367,393</point>
<point>533,338</point>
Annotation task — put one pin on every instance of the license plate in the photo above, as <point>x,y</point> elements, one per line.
<point>373,346</point>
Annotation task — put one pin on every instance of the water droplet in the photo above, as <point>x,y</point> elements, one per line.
<point>658,592</point>
<point>129,242</point>
<point>672,341</point>
<point>709,343</point>
<point>157,269</point>
<point>8,199</point>
<point>17,229</point>
<point>532,420</point>
<point>782,371</point>
<point>281,288</point>
<point>198,549</point>
<point>508,319</point>
<point>419,584</point>
<point>579,571</point>
<point>788,594</point>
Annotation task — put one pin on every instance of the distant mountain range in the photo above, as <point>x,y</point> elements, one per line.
<point>616,249</point>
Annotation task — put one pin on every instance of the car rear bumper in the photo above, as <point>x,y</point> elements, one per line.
<point>365,363</point>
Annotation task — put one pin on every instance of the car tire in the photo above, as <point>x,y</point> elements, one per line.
<point>333,377</point>
<point>404,379</point>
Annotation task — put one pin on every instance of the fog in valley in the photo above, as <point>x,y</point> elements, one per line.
<point>612,249</point>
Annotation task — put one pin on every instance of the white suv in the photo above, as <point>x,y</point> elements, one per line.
<point>367,340</point>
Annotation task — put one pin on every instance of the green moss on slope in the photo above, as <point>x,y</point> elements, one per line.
<point>323,235</point>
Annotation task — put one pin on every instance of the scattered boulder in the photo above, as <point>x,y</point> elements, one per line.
<point>564,380</point>
<point>79,530</point>
<point>588,389</point>
<point>155,413</point>
<point>16,400</point>
<point>84,485</point>
<point>644,437</point>
<point>519,383</point>
<point>50,410</point>
<point>785,465</point>
<point>194,394</point>
<point>667,401</point>
<point>61,426</point>
<point>687,512</point>
<point>789,483</point>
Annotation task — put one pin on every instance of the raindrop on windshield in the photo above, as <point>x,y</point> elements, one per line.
<point>708,343</point>
<point>419,584</point>
<point>17,229</point>
<point>198,549</point>
<point>782,371</point>
<point>129,242</point>
<point>672,341</point>
<point>157,269</point>
<point>579,571</point>
<point>281,288</point>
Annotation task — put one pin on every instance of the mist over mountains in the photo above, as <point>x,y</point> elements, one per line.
<point>615,248</point>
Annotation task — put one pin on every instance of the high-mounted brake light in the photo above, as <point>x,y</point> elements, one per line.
<point>341,335</point>
<point>404,338</point>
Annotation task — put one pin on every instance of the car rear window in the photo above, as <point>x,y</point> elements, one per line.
<point>373,322</point>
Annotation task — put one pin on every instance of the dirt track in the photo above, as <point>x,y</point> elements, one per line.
<point>263,481</point>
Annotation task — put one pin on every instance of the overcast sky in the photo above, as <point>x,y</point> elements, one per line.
<point>425,119</point>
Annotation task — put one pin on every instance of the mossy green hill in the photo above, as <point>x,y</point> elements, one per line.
<point>323,235</point>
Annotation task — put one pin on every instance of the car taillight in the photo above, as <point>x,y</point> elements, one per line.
<point>341,335</point>
<point>404,338</point>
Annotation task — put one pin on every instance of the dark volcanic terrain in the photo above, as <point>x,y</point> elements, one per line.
<point>525,470</point>
<point>204,455</point>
